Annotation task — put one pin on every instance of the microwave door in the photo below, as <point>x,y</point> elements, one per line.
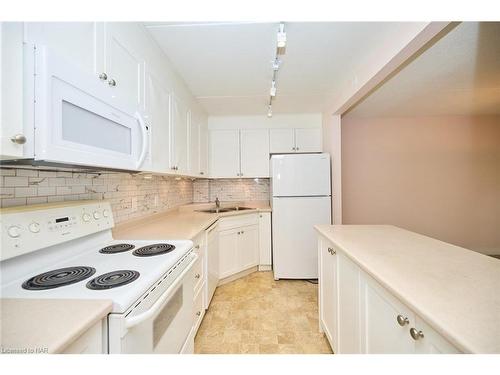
<point>78,123</point>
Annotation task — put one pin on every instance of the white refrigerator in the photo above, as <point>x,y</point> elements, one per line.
<point>301,198</point>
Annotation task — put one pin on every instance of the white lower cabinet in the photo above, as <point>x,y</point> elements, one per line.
<point>348,284</point>
<point>93,341</point>
<point>358,315</point>
<point>238,244</point>
<point>265,241</point>
<point>238,250</point>
<point>328,300</point>
<point>385,321</point>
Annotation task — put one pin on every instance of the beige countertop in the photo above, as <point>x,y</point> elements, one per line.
<point>455,290</point>
<point>47,325</point>
<point>181,223</point>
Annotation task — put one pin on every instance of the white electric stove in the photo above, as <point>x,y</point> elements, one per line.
<point>66,251</point>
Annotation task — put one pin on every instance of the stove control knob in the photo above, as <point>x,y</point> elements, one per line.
<point>14,231</point>
<point>34,227</point>
<point>97,215</point>
<point>105,213</point>
<point>86,217</point>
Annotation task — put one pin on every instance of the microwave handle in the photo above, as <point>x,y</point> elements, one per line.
<point>144,134</point>
<point>135,320</point>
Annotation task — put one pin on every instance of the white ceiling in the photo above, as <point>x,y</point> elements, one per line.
<point>458,75</point>
<point>227,66</point>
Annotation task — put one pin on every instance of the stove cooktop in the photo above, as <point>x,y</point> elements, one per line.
<point>113,272</point>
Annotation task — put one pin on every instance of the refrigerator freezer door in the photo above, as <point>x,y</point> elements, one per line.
<point>295,250</point>
<point>300,175</point>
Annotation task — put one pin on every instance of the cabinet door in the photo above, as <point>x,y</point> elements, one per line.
<point>281,141</point>
<point>124,65</point>
<point>328,291</point>
<point>432,342</point>
<point>82,43</point>
<point>228,252</point>
<point>380,331</point>
<point>308,140</point>
<point>348,302</point>
<point>203,154</point>
<point>11,94</point>
<point>254,152</point>
<point>179,143</point>
<point>224,153</point>
<point>157,109</point>
<point>248,247</point>
<point>194,146</point>
<point>265,239</point>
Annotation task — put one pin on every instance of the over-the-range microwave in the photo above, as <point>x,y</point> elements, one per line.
<point>71,119</point>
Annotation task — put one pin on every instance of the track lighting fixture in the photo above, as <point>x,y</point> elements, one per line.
<point>281,40</point>
<point>272,92</point>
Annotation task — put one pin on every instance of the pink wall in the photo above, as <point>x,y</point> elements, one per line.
<point>439,176</point>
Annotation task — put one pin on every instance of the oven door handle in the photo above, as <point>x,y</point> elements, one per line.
<point>135,320</point>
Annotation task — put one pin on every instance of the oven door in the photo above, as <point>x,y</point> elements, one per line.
<point>78,122</point>
<point>161,329</point>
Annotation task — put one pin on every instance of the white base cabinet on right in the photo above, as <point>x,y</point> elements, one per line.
<point>359,315</point>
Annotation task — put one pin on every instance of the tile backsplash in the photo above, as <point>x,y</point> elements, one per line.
<point>231,190</point>
<point>130,195</point>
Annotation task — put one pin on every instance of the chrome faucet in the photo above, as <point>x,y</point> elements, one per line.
<point>217,202</point>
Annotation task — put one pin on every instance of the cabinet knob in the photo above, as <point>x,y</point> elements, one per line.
<point>402,320</point>
<point>197,247</point>
<point>296,149</point>
<point>19,139</point>
<point>112,82</point>
<point>332,251</point>
<point>198,313</point>
<point>293,148</point>
<point>197,276</point>
<point>103,76</point>
<point>202,173</point>
<point>416,334</point>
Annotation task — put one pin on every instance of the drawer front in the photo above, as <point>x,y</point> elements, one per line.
<point>198,310</point>
<point>198,242</point>
<point>231,222</point>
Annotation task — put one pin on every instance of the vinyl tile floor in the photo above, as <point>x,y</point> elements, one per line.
<point>256,314</point>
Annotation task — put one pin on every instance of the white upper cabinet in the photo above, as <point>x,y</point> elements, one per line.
<point>254,151</point>
<point>82,43</point>
<point>194,146</point>
<point>203,150</point>
<point>123,63</point>
<point>308,140</point>
<point>179,136</point>
<point>239,153</point>
<point>157,116</point>
<point>295,140</point>
<point>224,153</point>
<point>282,141</point>
<point>14,138</point>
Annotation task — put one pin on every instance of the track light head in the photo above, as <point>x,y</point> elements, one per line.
<point>281,40</point>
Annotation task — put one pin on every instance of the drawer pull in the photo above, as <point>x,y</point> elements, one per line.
<point>402,320</point>
<point>198,313</point>
<point>416,334</point>
<point>332,251</point>
<point>197,247</point>
<point>197,276</point>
